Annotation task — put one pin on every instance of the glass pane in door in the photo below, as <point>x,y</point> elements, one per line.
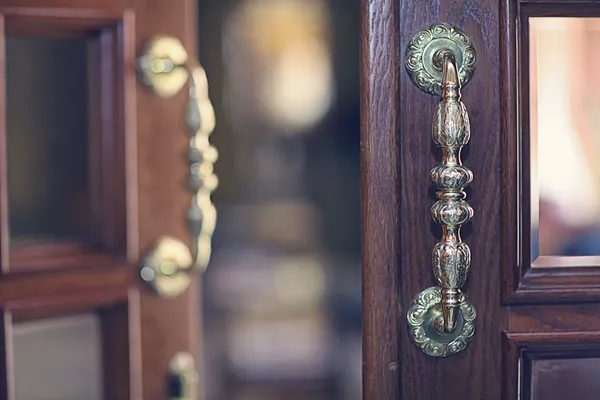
<point>564,92</point>
<point>58,358</point>
<point>561,379</point>
<point>47,139</point>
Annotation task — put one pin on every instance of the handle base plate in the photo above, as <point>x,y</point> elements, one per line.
<point>161,66</point>
<point>423,54</point>
<point>166,267</point>
<point>424,316</point>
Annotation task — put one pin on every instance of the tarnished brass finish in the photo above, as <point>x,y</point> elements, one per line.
<point>425,52</point>
<point>164,67</point>
<point>440,320</point>
<point>426,322</point>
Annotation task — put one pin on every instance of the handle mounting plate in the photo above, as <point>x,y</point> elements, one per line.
<point>425,314</point>
<point>165,267</point>
<point>161,66</point>
<point>423,54</point>
<point>439,60</point>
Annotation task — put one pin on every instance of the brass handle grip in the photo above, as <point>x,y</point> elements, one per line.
<point>164,67</point>
<point>440,319</point>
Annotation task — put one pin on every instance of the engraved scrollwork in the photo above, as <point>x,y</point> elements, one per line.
<point>451,176</point>
<point>424,311</point>
<point>420,59</point>
<point>451,263</point>
<point>451,258</point>
<point>441,320</point>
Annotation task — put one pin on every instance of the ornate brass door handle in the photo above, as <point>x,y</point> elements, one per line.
<point>440,319</point>
<point>164,67</point>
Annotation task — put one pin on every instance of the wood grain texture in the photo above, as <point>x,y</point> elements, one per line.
<point>555,318</point>
<point>50,8</point>
<point>397,147</point>
<point>511,196</point>
<point>422,376</point>
<point>380,163</point>
<point>548,310</point>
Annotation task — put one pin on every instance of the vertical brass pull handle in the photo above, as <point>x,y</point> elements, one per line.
<point>202,214</point>
<point>440,319</point>
<point>164,67</point>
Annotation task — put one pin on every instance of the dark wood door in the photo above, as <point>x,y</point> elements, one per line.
<point>535,267</point>
<point>93,172</point>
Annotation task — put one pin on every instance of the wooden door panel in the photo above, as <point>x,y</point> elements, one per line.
<point>535,317</point>
<point>106,238</point>
<point>73,7</point>
<point>554,336</point>
<point>35,18</point>
<point>380,181</point>
<point>163,198</point>
<point>553,279</point>
<point>552,364</point>
<point>138,173</point>
<point>397,155</point>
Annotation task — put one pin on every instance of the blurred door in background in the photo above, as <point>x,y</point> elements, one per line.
<point>92,172</point>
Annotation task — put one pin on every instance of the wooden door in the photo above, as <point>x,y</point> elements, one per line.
<point>93,172</point>
<point>535,265</point>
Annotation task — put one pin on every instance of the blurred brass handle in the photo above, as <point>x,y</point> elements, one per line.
<point>183,377</point>
<point>440,319</point>
<point>164,67</point>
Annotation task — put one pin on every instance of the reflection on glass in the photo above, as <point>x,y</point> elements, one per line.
<point>58,359</point>
<point>47,138</point>
<point>575,378</point>
<point>565,136</point>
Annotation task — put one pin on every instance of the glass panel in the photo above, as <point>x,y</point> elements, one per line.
<point>565,139</point>
<point>47,139</point>
<point>58,359</point>
<point>565,379</point>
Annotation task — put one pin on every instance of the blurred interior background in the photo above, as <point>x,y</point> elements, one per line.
<point>282,295</point>
<point>281,298</point>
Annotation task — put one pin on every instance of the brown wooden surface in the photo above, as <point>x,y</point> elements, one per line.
<point>138,142</point>
<point>168,326</point>
<point>526,312</point>
<point>403,162</point>
<point>380,198</point>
